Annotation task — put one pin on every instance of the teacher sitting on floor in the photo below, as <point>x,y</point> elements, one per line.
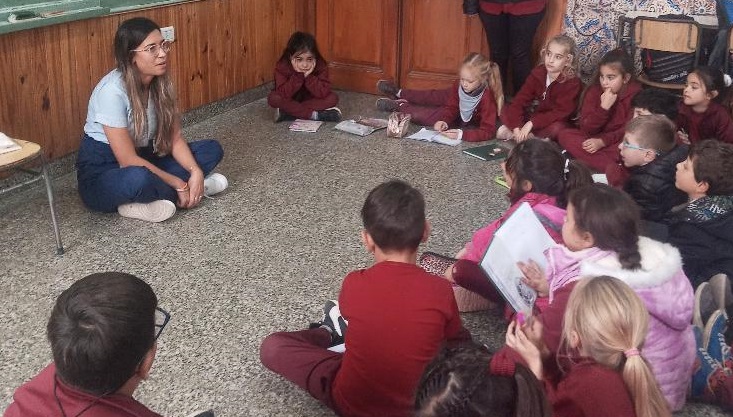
<point>133,158</point>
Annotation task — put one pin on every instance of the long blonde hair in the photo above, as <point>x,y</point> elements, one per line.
<point>611,323</point>
<point>129,36</point>
<point>571,48</point>
<point>489,73</point>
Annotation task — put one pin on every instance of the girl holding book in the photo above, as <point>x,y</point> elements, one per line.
<point>466,111</point>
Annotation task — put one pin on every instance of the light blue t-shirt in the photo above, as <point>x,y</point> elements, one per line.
<point>110,106</point>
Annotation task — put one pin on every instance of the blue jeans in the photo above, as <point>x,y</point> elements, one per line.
<point>103,185</point>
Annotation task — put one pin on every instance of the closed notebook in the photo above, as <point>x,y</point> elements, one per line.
<point>488,152</point>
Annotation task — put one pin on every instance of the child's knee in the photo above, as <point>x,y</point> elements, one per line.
<point>331,100</point>
<point>270,349</point>
<point>275,100</point>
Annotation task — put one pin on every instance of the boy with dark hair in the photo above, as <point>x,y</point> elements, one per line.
<point>650,153</point>
<point>703,229</point>
<point>103,331</point>
<point>398,317</point>
<point>655,101</point>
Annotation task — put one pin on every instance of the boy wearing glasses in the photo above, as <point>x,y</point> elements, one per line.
<point>103,331</point>
<point>650,153</point>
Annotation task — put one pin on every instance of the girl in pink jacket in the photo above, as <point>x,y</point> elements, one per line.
<point>601,237</point>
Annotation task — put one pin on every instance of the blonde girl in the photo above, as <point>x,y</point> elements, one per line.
<point>549,96</point>
<point>603,373</point>
<point>466,111</point>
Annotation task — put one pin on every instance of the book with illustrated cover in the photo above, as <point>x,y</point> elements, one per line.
<point>427,135</point>
<point>488,152</point>
<point>362,126</point>
<point>301,125</point>
<point>521,238</point>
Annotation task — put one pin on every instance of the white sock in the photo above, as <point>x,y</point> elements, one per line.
<point>314,116</point>
<point>399,92</point>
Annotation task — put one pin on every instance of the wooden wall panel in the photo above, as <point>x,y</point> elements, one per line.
<point>360,41</point>
<point>222,48</point>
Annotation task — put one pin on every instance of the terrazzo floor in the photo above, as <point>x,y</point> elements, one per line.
<point>262,256</point>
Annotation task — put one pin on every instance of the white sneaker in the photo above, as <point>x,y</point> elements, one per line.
<point>214,184</point>
<point>155,212</point>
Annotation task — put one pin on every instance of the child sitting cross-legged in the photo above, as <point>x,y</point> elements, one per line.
<point>103,332</point>
<point>702,229</point>
<point>398,317</point>
<point>651,154</point>
<point>602,372</point>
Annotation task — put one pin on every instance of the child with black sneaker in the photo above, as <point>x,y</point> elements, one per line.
<point>103,332</point>
<point>302,85</point>
<point>398,315</point>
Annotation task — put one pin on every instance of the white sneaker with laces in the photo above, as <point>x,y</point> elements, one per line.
<point>214,184</point>
<point>154,212</point>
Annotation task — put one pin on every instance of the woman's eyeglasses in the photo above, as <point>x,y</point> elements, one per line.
<point>162,318</point>
<point>155,48</point>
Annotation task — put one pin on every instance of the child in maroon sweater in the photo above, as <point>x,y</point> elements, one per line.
<point>548,98</point>
<point>103,331</point>
<point>701,114</point>
<point>466,111</point>
<point>398,318</point>
<point>604,112</point>
<point>603,373</point>
<point>302,87</point>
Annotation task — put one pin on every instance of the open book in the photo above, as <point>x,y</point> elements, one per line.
<point>362,126</point>
<point>521,238</point>
<point>7,144</point>
<point>301,125</point>
<point>427,135</point>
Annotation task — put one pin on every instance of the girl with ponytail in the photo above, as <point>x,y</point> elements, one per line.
<point>603,370</point>
<point>465,381</point>
<point>465,111</point>
<point>601,237</point>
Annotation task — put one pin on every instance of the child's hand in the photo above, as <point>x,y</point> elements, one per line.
<point>517,340</point>
<point>683,136</point>
<point>309,71</point>
<point>524,132</point>
<point>608,98</point>
<point>515,133</point>
<point>535,277</point>
<point>593,145</point>
<point>440,126</point>
<point>452,133</point>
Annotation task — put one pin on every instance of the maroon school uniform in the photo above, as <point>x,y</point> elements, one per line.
<point>714,123</point>
<point>36,398</point>
<point>514,7</point>
<point>556,103</point>
<point>596,122</point>
<point>298,95</point>
<point>430,106</point>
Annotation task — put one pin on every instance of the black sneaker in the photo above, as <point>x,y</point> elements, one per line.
<point>388,88</point>
<point>387,104</point>
<point>333,321</point>
<point>330,115</point>
<point>208,413</point>
<point>281,116</point>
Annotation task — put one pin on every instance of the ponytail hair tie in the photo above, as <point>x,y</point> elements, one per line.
<point>727,80</point>
<point>631,352</point>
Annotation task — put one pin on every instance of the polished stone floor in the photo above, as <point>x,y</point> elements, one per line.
<point>262,256</point>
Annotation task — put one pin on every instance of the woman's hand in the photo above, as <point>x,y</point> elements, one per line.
<point>535,277</point>
<point>195,187</point>
<point>608,99</point>
<point>593,145</point>
<point>518,340</point>
<point>440,126</point>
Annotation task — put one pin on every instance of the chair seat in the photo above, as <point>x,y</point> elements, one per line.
<point>669,86</point>
<point>27,152</point>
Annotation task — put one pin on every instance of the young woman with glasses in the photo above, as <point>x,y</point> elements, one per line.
<point>133,158</point>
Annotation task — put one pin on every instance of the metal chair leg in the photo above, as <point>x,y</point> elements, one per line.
<point>52,205</point>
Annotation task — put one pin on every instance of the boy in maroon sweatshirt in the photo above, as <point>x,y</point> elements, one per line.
<point>103,331</point>
<point>398,317</point>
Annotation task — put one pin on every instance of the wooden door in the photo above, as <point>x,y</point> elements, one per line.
<point>360,40</point>
<point>435,38</point>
